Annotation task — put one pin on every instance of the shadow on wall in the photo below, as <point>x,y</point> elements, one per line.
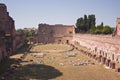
<point>36,71</point>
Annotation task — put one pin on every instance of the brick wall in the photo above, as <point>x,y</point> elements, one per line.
<point>104,45</point>
<point>118,26</point>
<point>7,31</point>
<point>55,33</point>
<point>20,39</point>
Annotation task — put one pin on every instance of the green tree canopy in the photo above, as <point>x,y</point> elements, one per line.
<point>92,20</point>
<point>100,29</point>
<point>85,23</point>
<point>29,33</point>
<point>107,30</point>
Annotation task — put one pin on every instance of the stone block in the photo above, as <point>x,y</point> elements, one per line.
<point>112,65</point>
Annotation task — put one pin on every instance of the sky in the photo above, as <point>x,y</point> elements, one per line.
<point>30,13</point>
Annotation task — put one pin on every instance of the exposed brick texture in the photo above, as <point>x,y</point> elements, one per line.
<point>7,33</point>
<point>55,33</point>
<point>104,45</point>
<point>118,26</point>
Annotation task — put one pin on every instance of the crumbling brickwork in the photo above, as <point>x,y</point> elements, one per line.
<point>102,45</point>
<point>20,39</point>
<point>7,32</point>
<point>118,27</point>
<point>55,33</point>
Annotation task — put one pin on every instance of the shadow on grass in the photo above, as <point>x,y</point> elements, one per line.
<point>5,64</point>
<point>22,49</point>
<point>36,71</point>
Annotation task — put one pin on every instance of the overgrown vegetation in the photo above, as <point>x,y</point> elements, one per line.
<point>101,29</point>
<point>28,33</point>
<point>84,24</point>
<point>87,24</point>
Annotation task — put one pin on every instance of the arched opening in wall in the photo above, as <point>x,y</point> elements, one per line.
<point>67,41</point>
<point>112,56</point>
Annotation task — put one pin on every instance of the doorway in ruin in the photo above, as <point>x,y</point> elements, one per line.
<point>67,41</point>
<point>59,41</point>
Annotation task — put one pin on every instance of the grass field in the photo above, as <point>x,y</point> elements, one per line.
<point>58,66</point>
<point>50,47</point>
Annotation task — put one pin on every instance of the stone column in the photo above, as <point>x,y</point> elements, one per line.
<point>103,59</point>
<point>112,65</point>
<point>117,69</point>
<point>99,58</point>
<point>108,62</point>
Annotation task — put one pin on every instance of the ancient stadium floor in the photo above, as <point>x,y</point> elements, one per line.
<point>66,65</point>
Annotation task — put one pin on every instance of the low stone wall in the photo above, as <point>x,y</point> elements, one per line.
<point>99,58</point>
<point>107,46</point>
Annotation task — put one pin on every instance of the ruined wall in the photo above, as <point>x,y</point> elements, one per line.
<point>7,31</point>
<point>118,26</point>
<point>20,39</point>
<point>55,33</point>
<point>2,49</point>
<point>105,46</point>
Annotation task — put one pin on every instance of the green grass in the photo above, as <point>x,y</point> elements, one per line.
<point>50,47</point>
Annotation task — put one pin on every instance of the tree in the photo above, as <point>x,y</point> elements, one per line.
<point>92,20</point>
<point>100,27</point>
<point>86,25</point>
<point>32,32</point>
<point>97,31</point>
<point>29,33</point>
<point>107,30</point>
<point>80,24</point>
<point>101,24</point>
<point>92,30</point>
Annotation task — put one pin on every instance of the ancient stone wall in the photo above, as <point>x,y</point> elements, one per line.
<point>2,49</point>
<point>106,46</point>
<point>118,26</point>
<point>55,33</point>
<point>20,39</point>
<point>7,32</point>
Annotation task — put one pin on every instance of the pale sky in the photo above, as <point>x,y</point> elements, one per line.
<point>29,13</point>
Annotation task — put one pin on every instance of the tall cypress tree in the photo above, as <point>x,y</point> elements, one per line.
<point>85,23</point>
<point>92,20</point>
